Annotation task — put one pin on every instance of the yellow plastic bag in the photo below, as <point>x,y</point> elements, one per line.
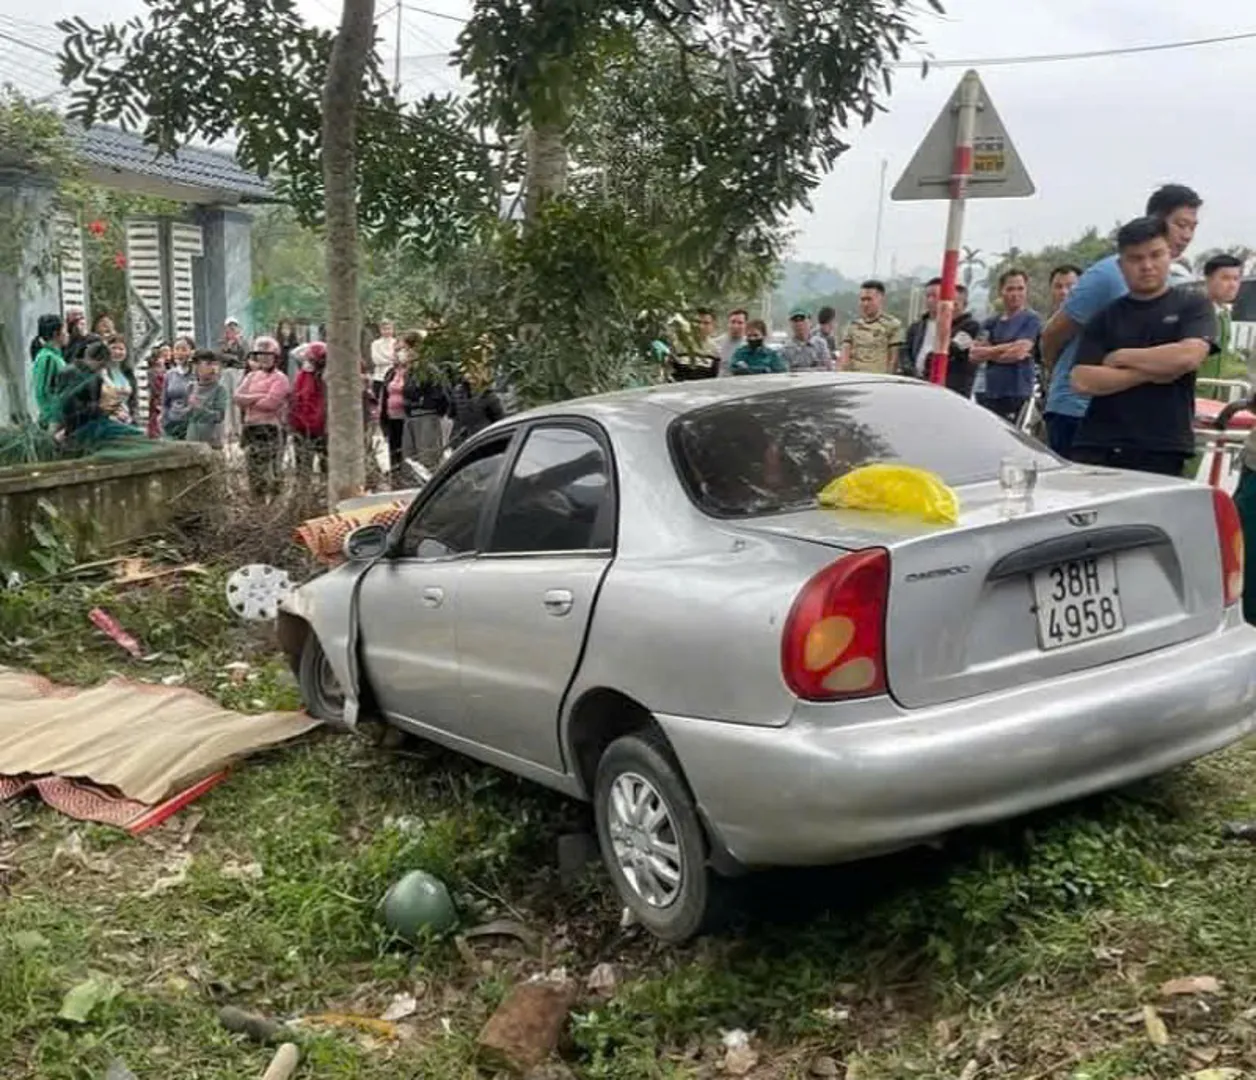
<point>894,489</point>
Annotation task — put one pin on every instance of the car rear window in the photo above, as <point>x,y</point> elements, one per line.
<point>775,451</point>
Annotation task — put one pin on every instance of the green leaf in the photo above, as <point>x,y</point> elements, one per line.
<point>81,1000</point>
<point>44,561</point>
<point>29,940</point>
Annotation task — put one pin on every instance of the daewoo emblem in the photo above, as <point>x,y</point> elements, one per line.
<point>1082,518</point>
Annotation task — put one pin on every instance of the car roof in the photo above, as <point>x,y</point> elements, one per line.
<point>682,397</point>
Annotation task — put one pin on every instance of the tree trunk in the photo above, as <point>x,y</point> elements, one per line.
<point>547,166</point>
<point>346,465</point>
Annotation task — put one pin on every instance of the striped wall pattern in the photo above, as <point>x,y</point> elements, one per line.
<point>73,269</point>
<point>186,244</point>
<point>146,295</point>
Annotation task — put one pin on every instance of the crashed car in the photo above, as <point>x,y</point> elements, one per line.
<point>636,599</point>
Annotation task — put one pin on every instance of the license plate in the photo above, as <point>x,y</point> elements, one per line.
<point>1077,601</point>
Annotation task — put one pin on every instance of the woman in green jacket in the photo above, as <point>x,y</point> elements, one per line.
<point>49,363</point>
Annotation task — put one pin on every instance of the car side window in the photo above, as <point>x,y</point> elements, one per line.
<point>558,497</point>
<point>445,526</point>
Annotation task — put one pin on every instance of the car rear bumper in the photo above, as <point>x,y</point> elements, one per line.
<point>840,782</point>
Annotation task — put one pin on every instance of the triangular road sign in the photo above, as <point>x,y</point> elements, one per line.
<point>998,172</point>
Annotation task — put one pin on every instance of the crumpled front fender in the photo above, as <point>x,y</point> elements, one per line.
<point>328,607</point>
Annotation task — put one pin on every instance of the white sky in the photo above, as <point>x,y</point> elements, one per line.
<point>1096,135</point>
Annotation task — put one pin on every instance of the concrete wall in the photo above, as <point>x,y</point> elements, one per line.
<point>104,501</point>
<point>26,295</point>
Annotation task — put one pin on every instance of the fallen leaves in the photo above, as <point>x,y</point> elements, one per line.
<point>233,870</point>
<point>1193,984</point>
<point>176,874</point>
<point>136,571</point>
<point>382,1028</point>
<point>739,1056</point>
<point>1157,1032</point>
<point>401,1006</point>
<point>71,850</point>
<point>505,928</point>
<point>82,999</point>
<point>602,979</point>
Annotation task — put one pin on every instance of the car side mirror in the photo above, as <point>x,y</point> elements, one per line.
<point>366,542</point>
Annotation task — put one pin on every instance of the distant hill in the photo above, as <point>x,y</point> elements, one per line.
<point>801,280</point>
<point>811,284</point>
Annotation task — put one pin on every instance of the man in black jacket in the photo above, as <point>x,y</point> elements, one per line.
<point>922,341</point>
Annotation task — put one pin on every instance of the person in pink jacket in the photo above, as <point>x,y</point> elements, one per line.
<point>263,400</point>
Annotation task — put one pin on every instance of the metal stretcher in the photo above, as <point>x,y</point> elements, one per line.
<point>1222,428</point>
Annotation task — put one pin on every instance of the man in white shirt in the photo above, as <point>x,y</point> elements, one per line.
<point>732,341</point>
<point>1223,277</point>
<point>383,353</point>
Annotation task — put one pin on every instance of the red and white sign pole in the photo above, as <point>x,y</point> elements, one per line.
<point>961,172</point>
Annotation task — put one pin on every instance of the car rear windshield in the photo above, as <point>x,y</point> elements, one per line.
<point>775,451</point>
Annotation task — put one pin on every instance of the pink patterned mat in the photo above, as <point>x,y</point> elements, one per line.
<point>85,801</point>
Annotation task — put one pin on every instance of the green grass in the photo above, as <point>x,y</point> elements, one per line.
<point>1028,949</point>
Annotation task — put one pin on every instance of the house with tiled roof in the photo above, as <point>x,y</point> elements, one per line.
<point>186,273</point>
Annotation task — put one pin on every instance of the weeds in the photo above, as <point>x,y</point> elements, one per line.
<point>1028,949</point>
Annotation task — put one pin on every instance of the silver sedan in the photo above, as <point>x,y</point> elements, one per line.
<point>635,599</point>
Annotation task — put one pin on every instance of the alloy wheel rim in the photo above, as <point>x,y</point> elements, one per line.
<point>644,840</point>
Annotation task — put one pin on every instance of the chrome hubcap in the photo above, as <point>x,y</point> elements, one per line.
<point>644,840</point>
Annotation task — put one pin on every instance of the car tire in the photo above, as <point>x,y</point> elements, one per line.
<point>324,700</point>
<point>638,855</point>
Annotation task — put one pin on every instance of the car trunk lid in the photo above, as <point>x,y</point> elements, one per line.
<point>1092,570</point>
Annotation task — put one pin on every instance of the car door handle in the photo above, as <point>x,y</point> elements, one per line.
<point>433,596</point>
<point>559,601</point>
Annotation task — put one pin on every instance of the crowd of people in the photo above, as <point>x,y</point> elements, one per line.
<point>1113,365</point>
<point>263,396</point>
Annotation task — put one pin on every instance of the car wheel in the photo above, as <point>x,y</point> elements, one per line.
<point>320,689</point>
<point>652,839</point>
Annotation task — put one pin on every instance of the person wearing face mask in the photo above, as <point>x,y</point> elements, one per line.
<point>754,357</point>
<point>178,384</point>
<point>263,399</point>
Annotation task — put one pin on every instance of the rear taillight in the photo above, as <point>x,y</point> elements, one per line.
<point>1230,537</point>
<point>833,647</point>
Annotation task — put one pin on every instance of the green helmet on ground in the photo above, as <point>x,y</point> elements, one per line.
<point>417,902</point>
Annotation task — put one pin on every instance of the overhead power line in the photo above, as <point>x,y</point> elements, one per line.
<point>988,61</point>
<point>434,14</point>
<point>1092,54</point>
<point>28,45</point>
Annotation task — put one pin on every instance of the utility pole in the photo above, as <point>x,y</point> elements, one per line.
<point>876,240</point>
<point>397,57</point>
